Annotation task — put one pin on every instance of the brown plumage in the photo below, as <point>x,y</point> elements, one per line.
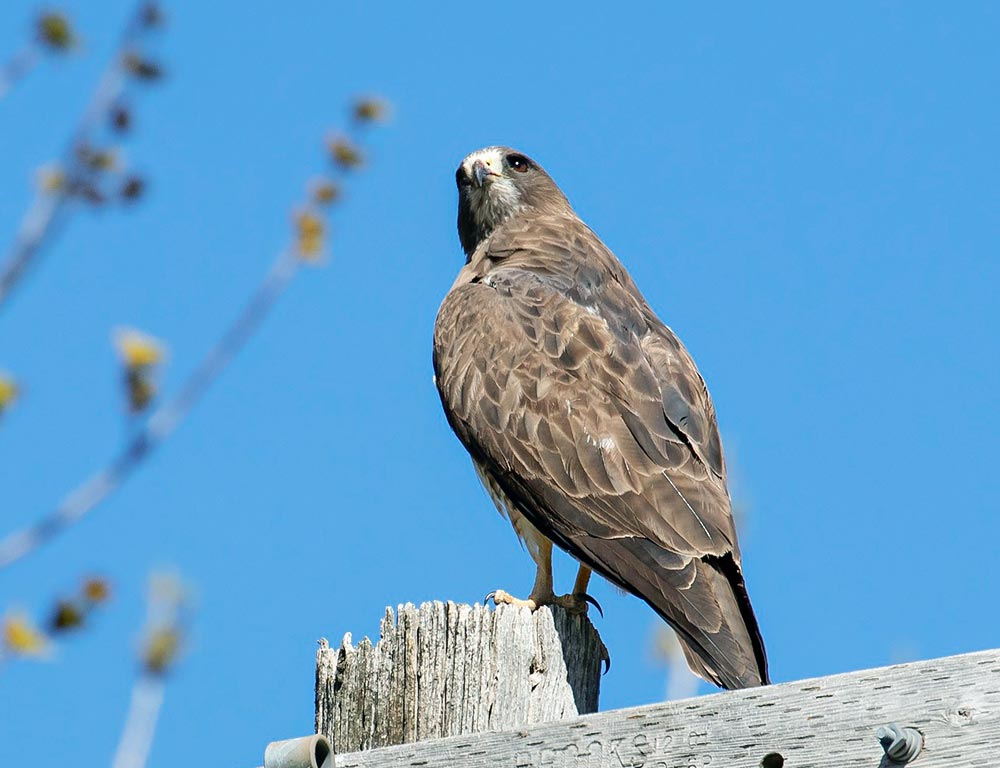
<point>586,417</point>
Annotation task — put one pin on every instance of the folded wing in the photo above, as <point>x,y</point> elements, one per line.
<point>591,416</point>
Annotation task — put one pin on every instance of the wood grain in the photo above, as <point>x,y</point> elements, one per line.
<point>444,669</point>
<point>827,722</point>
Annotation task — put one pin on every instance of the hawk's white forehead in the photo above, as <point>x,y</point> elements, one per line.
<point>491,157</point>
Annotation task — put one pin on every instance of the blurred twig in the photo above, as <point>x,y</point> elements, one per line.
<point>78,169</point>
<point>17,67</point>
<point>141,356</point>
<point>53,34</point>
<point>22,637</point>
<point>140,725</point>
<point>166,626</point>
<point>9,391</point>
<point>160,424</point>
<point>308,245</point>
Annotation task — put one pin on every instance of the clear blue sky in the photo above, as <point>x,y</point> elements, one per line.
<point>808,197</point>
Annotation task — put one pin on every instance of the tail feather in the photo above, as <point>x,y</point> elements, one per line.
<point>742,662</point>
<point>704,599</point>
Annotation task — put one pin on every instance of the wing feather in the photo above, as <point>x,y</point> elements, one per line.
<point>593,419</point>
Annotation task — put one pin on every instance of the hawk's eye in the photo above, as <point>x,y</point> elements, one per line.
<point>518,162</point>
<point>462,178</point>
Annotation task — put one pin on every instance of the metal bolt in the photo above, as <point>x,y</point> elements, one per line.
<point>901,744</point>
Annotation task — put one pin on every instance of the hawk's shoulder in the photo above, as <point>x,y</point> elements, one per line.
<point>559,254</point>
<point>573,390</point>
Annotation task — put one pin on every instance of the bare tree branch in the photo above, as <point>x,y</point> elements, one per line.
<point>310,239</point>
<point>50,206</point>
<point>160,423</point>
<point>18,67</point>
<point>166,624</point>
<point>140,725</point>
<point>53,35</point>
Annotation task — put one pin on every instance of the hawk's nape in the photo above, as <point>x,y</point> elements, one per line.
<point>587,417</point>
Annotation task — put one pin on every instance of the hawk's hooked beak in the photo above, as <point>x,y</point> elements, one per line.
<point>481,172</point>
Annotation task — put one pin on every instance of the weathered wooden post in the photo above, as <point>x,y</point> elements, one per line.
<point>501,689</point>
<point>446,670</point>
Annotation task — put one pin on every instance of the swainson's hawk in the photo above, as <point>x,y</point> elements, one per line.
<point>586,418</point>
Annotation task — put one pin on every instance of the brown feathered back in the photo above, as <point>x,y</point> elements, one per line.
<point>592,418</point>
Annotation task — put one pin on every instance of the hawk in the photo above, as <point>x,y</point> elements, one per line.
<point>586,418</point>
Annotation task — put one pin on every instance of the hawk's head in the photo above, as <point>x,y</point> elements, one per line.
<point>494,184</point>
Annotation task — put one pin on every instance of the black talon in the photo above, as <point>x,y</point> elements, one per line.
<point>490,596</point>
<point>607,662</point>
<point>588,599</point>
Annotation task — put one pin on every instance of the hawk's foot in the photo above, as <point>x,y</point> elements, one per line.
<point>573,603</point>
<point>500,597</point>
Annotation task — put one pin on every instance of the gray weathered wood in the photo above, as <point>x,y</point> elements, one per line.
<point>827,722</point>
<point>445,669</point>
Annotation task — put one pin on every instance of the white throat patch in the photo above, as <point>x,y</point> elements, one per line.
<point>497,199</point>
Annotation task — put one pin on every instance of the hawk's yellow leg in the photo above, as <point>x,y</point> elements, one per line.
<point>542,593</point>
